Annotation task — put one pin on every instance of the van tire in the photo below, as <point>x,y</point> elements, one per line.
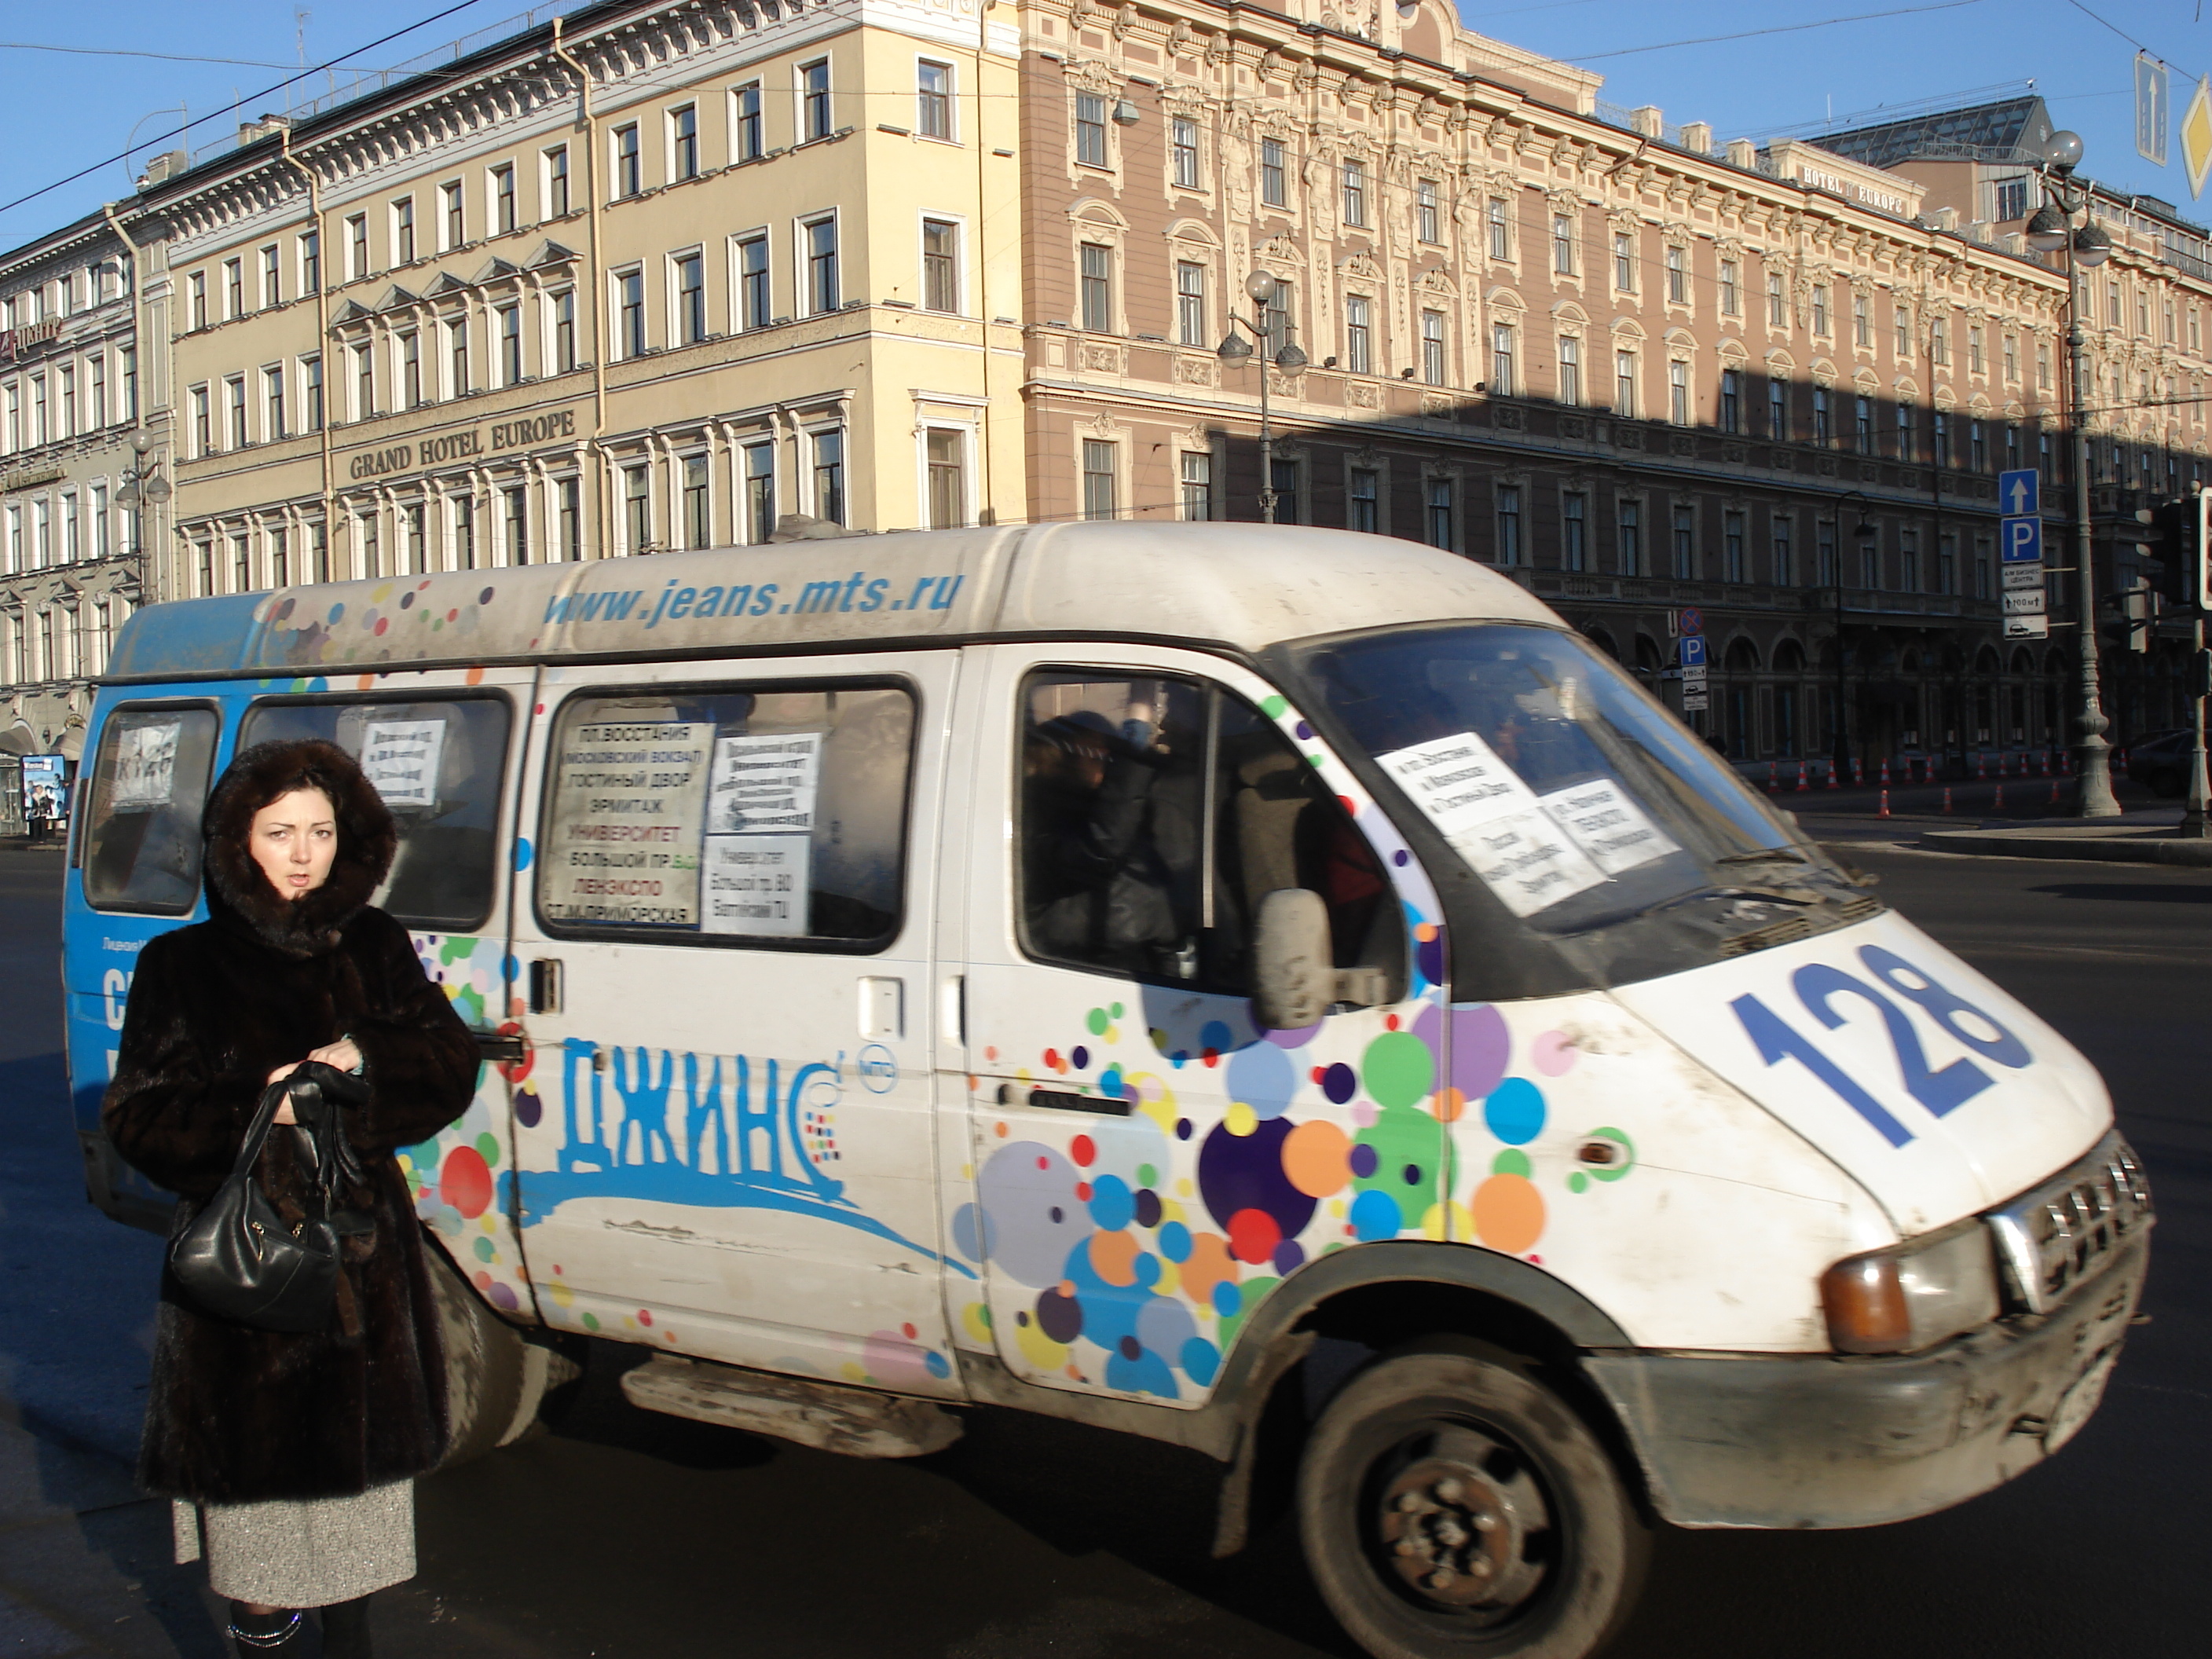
<point>494,1379</point>
<point>1453,1506</point>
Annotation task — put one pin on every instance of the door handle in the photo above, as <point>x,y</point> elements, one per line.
<point>1065,1100</point>
<point>501,1048</point>
<point>545,986</point>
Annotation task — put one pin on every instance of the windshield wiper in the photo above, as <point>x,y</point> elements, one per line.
<point>1765,854</point>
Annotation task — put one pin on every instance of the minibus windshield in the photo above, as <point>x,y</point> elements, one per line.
<point>1573,797</point>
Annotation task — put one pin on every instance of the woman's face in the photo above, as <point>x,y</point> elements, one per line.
<point>294,840</point>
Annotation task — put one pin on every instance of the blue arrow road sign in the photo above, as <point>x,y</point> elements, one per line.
<point>1693,651</point>
<point>2018,539</point>
<point>2016,493</point>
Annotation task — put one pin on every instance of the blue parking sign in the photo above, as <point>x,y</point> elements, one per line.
<point>2017,494</point>
<point>2019,539</point>
<point>1693,650</point>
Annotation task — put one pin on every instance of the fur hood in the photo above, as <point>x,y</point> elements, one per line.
<point>239,895</point>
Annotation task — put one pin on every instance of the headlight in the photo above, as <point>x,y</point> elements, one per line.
<point>1913,1295</point>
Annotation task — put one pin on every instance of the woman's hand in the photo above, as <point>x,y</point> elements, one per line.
<point>342,1056</point>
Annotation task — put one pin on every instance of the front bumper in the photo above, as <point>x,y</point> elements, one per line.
<point>1818,1440</point>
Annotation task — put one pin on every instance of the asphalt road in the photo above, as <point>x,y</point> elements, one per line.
<point>623,1533</point>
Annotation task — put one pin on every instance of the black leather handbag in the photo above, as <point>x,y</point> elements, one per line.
<point>236,1259</point>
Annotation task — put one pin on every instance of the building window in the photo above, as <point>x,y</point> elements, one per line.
<point>311,387</point>
<point>698,511</point>
<point>1939,342</point>
<point>1783,567</point>
<point>1947,564</point>
<point>760,492</point>
<point>629,312</point>
<point>311,262</point>
<point>272,395</point>
<point>1731,552</point>
<point>1624,262</point>
<point>691,298</point>
<point>502,199</point>
<point>465,532</point>
<point>410,370</point>
<point>1276,317</point>
<point>196,299</point>
<point>1183,149</point>
<point>1904,343</point>
<point>814,100</point>
<point>1870,564</point>
<point>414,520</point>
<point>1862,425</point>
<point>830,476</point>
<point>1362,511</point>
<point>1091,128</point>
<point>1978,448</point>
<point>2012,459</point>
<point>823,292</point>
<point>1356,357</point>
<point>564,331</point>
<point>1271,177</point>
<point>944,455</point>
<point>637,508</point>
<point>1862,321</point>
<point>2011,359</point>
<point>509,321</point>
<point>129,354</point>
<point>1574,531</point>
<point>233,287</point>
<point>1503,380</point>
<point>514,504</point>
<point>1778,408</point>
<point>745,140</point>
<point>1685,543</point>
<point>1678,393</point>
<point>940,265</point>
<point>1562,245</point>
<point>1939,427</point>
<point>1355,192</point>
<point>752,282</point>
<point>1432,348</point>
<point>403,231</point>
<point>1820,309</point>
<point>1908,560</point>
<point>1509,524</point>
<point>1678,276</point>
<point>272,277</point>
<point>1731,288</point>
<point>1190,303</point>
<point>1427,220</point>
<point>1628,538</point>
<point>1828,561</point>
<point>556,182</point>
<point>1096,284</point>
<point>1906,443</point>
<point>933,100</point>
<point>1501,229</point>
<point>683,142</point>
<point>1731,400</point>
<point>1976,361</point>
<point>1571,369</point>
<point>2009,199</point>
<point>629,175</point>
<point>1823,425</point>
<point>1197,486</point>
<point>1097,479</point>
<point>364,383</point>
<point>233,393</point>
<point>456,354</point>
<point>1777,308</point>
<point>241,564</point>
<point>1437,525</point>
<point>1624,384</point>
<point>568,515</point>
<point>453,225</point>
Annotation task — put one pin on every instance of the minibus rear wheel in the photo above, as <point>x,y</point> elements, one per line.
<point>1453,1506</point>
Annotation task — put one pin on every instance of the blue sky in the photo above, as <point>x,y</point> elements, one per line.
<point>69,109</point>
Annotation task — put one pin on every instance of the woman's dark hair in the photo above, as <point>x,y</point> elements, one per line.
<point>367,838</point>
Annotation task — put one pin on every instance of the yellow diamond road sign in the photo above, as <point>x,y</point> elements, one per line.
<point>2197,137</point>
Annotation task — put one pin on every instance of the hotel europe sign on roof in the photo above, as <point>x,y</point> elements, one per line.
<point>470,443</point>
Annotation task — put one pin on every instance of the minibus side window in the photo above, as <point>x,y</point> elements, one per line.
<point>1155,814</point>
<point>439,767</point>
<point>768,815</point>
<point>143,833</point>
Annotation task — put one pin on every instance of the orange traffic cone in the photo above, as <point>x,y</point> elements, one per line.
<point>1981,765</point>
<point>1885,771</point>
<point>2054,791</point>
<point>1802,786</point>
<point>1947,797</point>
<point>1833,781</point>
<point>1882,809</point>
<point>1997,805</point>
<point>1858,774</point>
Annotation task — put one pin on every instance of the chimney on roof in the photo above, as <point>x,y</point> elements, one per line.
<point>1645,121</point>
<point>1697,137</point>
<point>1742,152</point>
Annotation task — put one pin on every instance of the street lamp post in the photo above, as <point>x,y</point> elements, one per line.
<point>142,484</point>
<point>1259,287</point>
<point>1839,741</point>
<point>2050,231</point>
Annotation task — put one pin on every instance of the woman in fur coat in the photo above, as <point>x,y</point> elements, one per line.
<point>293,1457</point>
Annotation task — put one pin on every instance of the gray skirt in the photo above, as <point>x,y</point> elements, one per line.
<point>312,1553</point>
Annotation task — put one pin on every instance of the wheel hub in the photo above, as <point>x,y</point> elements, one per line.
<point>1456,1522</point>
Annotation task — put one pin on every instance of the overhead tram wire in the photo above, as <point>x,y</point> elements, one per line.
<point>1779,29</point>
<point>266,92</point>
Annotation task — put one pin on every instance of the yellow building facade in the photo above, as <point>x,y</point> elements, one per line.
<point>644,278</point>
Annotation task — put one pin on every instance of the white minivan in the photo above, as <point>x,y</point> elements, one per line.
<point>1190,979</point>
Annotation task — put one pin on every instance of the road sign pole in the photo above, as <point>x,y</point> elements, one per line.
<point>2195,825</point>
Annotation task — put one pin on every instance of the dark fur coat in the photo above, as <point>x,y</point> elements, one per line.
<point>237,1414</point>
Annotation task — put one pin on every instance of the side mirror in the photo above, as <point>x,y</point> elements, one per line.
<point>1293,975</point>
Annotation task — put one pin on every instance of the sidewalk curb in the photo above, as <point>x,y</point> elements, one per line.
<point>2107,849</point>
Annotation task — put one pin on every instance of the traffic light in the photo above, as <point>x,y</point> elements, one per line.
<point>2140,606</point>
<point>2178,535</point>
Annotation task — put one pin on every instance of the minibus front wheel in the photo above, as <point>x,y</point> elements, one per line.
<point>1452,1506</point>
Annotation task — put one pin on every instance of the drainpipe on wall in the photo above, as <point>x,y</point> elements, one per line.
<point>593,298</point>
<point>987,506</point>
<point>322,350</point>
<point>146,585</point>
